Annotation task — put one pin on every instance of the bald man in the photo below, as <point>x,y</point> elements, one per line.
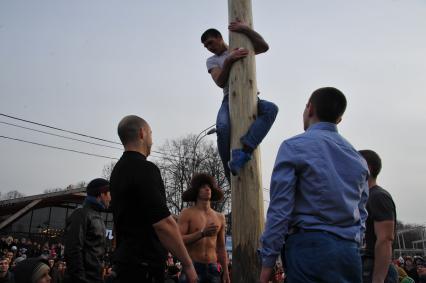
<point>145,229</point>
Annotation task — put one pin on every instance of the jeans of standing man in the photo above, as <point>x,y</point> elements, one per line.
<point>266,113</point>
<point>368,268</point>
<point>321,257</point>
<point>138,273</point>
<point>207,273</point>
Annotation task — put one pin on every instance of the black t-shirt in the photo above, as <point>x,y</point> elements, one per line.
<point>380,207</point>
<point>138,200</point>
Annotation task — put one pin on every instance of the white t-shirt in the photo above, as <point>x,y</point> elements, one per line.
<point>217,61</point>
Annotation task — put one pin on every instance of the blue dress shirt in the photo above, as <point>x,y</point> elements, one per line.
<point>319,182</point>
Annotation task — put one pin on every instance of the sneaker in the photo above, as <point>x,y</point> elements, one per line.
<point>239,159</point>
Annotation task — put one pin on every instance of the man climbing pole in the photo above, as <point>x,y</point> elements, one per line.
<point>219,66</point>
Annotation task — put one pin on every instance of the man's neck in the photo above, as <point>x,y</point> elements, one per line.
<point>141,149</point>
<point>312,122</point>
<point>224,49</point>
<point>203,205</point>
<point>371,183</point>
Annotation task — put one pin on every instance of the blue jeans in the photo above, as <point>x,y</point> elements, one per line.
<point>207,273</point>
<point>321,257</point>
<point>266,113</point>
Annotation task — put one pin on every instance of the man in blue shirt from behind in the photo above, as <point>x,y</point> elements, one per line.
<point>318,195</point>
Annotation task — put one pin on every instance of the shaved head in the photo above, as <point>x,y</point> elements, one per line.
<point>129,127</point>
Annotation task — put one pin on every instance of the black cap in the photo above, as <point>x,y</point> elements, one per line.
<point>97,186</point>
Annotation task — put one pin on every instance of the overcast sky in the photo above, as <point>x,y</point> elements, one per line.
<point>83,65</point>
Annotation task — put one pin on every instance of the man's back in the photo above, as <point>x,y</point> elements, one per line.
<point>138,201</point>
<point>331,177</point>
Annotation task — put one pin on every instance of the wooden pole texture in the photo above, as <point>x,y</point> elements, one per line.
<point>247,193</point>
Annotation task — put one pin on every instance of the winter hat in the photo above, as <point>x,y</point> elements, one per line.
<point>97,186</point>
<point>31,270</point>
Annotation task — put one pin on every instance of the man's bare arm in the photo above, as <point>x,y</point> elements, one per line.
<point>169,236</point>
<point>221,250</point>
<point>384,231</point>
<point>259,44</point>
<point>220,75</point>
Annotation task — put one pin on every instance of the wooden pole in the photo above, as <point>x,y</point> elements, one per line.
<point>247,193</point>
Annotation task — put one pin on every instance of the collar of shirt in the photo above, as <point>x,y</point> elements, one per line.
<point>134,153</point>
<point>327,126</point>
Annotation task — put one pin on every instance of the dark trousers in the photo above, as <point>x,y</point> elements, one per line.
<point>207,273</point>
<point>139,274</point>
<point>321,257</point>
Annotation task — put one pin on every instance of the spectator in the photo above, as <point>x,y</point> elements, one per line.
<point>172,270</point>
<point>19,259</point>
<point>278,274</point>
<point>421,272</point>
<point>10,256</point>
<point>5,275</point>
<point>33,270</point>
<point>85,235</point>
<point>410,268</point>
<point>58,272</point>
<point>9,242</point>
<point>318,195</point>
<point>203,229</point>
<point>144,228</point>
<point>380,227</point>
<point>3,244</point>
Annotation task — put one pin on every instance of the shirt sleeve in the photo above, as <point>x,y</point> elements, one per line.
<point>211,63</point>
<point>154,197</point>
<point>282,191</point>
<point>382,208</point>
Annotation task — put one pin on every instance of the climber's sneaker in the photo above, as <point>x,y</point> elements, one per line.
<point>239,159</point>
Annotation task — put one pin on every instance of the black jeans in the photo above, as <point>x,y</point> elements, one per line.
<point>139,273</point>
<point>207,273</point>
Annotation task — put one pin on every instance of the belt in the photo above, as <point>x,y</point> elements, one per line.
<point>297,230</point>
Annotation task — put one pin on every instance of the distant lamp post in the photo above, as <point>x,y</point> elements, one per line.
<point>206,132</point>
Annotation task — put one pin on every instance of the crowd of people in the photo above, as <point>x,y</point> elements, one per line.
<point>13,251</point>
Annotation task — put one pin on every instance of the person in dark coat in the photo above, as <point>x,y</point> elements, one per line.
<point>85,236</point>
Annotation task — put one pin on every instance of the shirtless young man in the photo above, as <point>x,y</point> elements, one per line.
<point>203,230</point>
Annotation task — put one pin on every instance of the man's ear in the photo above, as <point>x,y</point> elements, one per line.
<point>339,120</point>
<point>141,133</point>
<point>311,110</point>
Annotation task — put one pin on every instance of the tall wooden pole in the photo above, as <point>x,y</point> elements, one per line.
<point>247,193</point>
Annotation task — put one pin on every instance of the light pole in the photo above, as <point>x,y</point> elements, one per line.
<point>207,131</point>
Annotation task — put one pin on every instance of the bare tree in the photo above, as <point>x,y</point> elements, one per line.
<point>81,184</point>
<point>12,195</point>
<point>78,185</point>
<point>184,157</point>
<point>107,170</point>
